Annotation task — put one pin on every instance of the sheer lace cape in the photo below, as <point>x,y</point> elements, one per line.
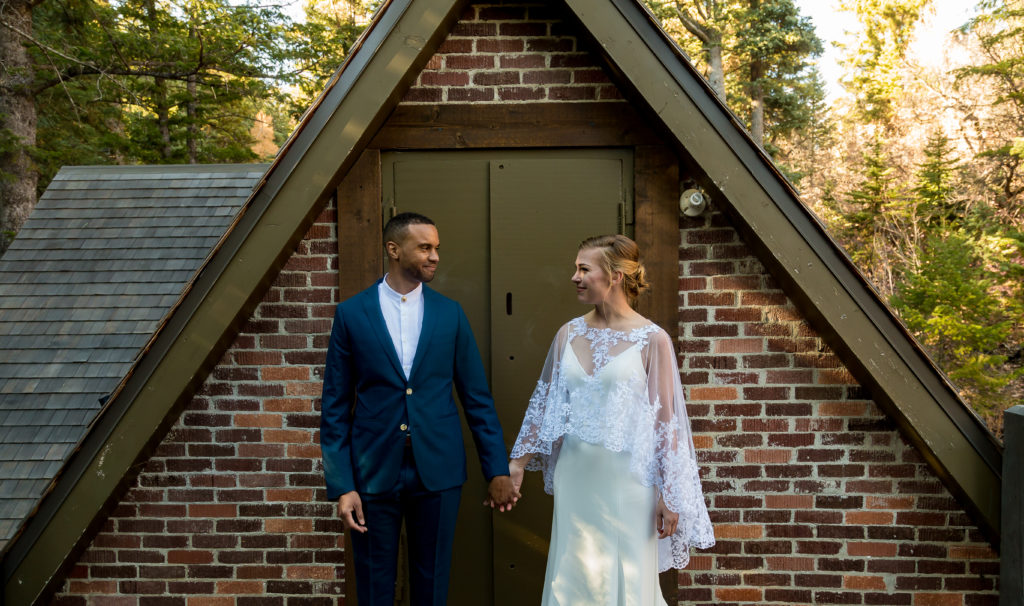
<point>641,412</point>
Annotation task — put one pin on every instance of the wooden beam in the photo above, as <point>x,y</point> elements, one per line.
<point>468,126</point>
<point>656,227</point>
<point>359,225</point>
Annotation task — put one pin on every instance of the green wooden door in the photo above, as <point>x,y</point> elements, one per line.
<point>509,223</point>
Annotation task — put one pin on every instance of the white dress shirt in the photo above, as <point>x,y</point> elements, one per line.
<point>403,315</point>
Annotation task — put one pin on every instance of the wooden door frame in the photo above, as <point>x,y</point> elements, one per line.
<point>520,126</point>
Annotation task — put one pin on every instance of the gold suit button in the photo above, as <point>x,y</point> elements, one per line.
<point>403,299</point>
<point>408,391</point>
<point>403,427</point>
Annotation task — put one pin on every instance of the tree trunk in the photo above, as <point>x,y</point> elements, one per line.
<point>193,119</point>
<point>716,74</point>
<point>18,178</point>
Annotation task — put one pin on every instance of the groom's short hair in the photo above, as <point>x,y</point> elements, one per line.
<point>395,230</point>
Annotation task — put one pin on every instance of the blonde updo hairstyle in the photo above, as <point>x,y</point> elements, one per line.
<point>619,253</point>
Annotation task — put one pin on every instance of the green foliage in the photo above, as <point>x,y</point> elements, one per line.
<point>937,202</point>
<point>868,205</point>
<point>964,305</point>
<point>874,63</point>
<point>776,48</point>
<point>767,57</point>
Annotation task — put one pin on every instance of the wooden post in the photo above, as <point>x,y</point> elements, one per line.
<point>1011,568</point>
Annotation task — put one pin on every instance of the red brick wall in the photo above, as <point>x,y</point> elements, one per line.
<point>230,510</point>
<point>815,495</point>
<point>508,53</point>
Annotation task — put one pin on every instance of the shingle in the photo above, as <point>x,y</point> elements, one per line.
<point>98,264</point>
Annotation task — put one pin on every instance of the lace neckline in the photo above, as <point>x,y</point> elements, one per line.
<point>602,340</point>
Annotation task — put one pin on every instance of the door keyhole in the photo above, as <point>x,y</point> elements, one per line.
<point>508,303</point>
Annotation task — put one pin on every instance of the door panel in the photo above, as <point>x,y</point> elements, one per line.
<point>509,224</point>
<point>451,189</point>
<point>541,208</point>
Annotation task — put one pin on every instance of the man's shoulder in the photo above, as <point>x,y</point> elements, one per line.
<point>437,298</point>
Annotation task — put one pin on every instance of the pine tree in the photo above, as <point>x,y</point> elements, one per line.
<point>937,202</point>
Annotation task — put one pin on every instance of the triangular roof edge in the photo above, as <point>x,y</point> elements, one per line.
<point>356,101</point>
<point>343,118</point>
<point>676,93</point>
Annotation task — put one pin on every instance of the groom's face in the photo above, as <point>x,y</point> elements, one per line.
<point>418,252</point>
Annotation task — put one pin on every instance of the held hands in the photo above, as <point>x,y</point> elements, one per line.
<point>350,508</point>
<point>502,493</point>
<point>665,520</point>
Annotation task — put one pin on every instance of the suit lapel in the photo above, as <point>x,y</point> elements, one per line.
<point>371,304</point>
<point>429,320</point>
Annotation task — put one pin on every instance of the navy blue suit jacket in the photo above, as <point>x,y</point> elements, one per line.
<point>366,399</point>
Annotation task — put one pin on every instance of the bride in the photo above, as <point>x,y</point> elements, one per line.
<point>607,426</point>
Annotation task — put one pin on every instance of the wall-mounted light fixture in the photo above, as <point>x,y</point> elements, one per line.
<point>693,203</point>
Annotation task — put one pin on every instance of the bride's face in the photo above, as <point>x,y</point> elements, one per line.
<point>593,284</point>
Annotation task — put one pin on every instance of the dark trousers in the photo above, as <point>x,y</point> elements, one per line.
<point>430,528</point>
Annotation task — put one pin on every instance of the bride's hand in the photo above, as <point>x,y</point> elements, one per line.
<point>665,520</point>
<point>516,470</point>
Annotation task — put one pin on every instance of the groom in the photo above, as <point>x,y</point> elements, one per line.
<point>389,427</point>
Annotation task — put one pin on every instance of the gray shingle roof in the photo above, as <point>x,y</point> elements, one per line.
<point>104,255</point>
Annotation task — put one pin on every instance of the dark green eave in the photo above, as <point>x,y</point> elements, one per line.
<point>328,141</point>
<point>402,37</point>
<point>790,240</point>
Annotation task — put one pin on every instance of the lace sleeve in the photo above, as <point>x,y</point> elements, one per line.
<point>540,434</point>
<point>676,463</point>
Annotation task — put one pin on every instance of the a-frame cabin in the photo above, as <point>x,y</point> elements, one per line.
<point>838,463</point>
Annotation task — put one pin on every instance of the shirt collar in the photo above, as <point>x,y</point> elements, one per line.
<point>412,296</point>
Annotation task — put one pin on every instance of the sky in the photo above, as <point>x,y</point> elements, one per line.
<point>928,48</point>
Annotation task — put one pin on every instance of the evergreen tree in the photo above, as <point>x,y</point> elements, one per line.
<point>868,203</point>
<point>874,63</point>
<point>937,202</point>
<point>957,307</point>
<point>775,48</point>
<point>999,30</point>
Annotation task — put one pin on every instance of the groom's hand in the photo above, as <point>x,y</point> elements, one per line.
<point>350,508</point>
<point>501,493</point>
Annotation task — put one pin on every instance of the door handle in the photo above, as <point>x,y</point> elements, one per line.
<point>508,303</point>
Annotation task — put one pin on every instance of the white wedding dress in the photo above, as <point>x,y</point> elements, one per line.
<point>607,426</point>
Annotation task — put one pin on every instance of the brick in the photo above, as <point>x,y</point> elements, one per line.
<point>712,362</point>
<point>869,517</point>
<point>840,565</point>
<point>819,547</point>
<point>817,580</point>
<point>938,599</point>
<point>839,532</point>
<point>739,594</point>
<point>972,552</point>
<point>708,299</point>
<point>521,93</point>
<point>863,582</point>
<point>738,531</point>
<point>310,572</point>
<point>419,94</point>
<point>790,531</point>
<point>836,597</point>
<point>789,563</point>
<point>766,393</point>
<point>767,456</point>
<point>713,393</point>
<point>791,440</point>
<point>899,599</point>
<point>768,547</point>
<point>219,510</point>
<point>788,596</point>
<point>258,420</point>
